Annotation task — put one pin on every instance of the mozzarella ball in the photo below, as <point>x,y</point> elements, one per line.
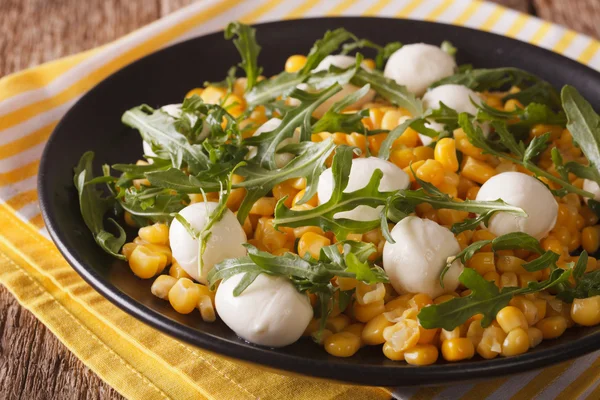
<point>457,97</point>
<point>593,188</point>
<point>361,172</point>
<point>281,159</point>
<point>226,239</point>
<point>270,312</point>
<point>340,61</point>
<point>415,261</point>
<point>418,65</point>
<point>523,191</point>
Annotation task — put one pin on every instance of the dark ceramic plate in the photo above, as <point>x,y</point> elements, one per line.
<point>164,78</point>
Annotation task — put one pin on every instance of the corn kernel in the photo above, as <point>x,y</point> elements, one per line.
<point>162,285</point>
<point>511,318</point>
<point>128,249</point>
<point>312,243</point>
<point>264,206</point>
<point>337,323</point>
<point>365,313</point>
<point>586,312</point>
<point>155,234</point>
<point>552,327</point>
<point>372,333</point>
<point>482,262</point>
<point>295,63</point>
<point>184,296</point>
<point>342,344</point>
<point>145,263</point>
<point>458,349</point>
<point>431,171</point>
<point>477,170</point>
<point>535,336</point>
<point>491,342</point>
<point>445,154</point>
<point>421,354</point>
<point>516,342</point>
<point>391,353</point>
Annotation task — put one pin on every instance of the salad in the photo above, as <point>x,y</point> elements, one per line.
<point>403,201</point>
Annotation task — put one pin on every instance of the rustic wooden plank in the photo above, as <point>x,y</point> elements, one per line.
<point>580,15</point>
<point>34,364</point>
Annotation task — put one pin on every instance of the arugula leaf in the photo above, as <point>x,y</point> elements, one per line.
<point>158,128</point>
<point>330,42</point>
<point>532,114</point>
<point>248,48</point>
<point>586,285</point>
<point>485,299</point>
<point>270,89</point>
<point>93,207</point>
<point>536,146</point>
<point>386,145</point>
<point>533,88</point>
<point>584,125</point>
<point>362,271</point>
<point>335,121</point>
<point>383,52</point>
<point>154,204</point>
<point>324,215</point>
<point>267,142</point>
<point>447,47</point>
<point>390,90</point>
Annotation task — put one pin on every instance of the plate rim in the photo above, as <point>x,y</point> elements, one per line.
<point>336,369</point>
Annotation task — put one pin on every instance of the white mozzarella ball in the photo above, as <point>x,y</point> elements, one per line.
<point>270,312</point>
<point>526,192</point>
<point>418,65</point>
<point>361,172</point>
<point>593,188</point>
<point>226,239</point>
<point>457,97</point>
<point>415,261</point>
<point>281,159</point>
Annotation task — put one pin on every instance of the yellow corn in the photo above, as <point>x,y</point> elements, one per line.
<point>313,201</point>
<point>391,119</point>
<point>482,262</point>
<point>511,318</point>
<point>177,272</point>
<point>356,329</point>
<point>337,323</point>
<point>365,313</point>
<point>586,312</point>
<point>195,91</point>
<point>516,342</point>
<point>447,335</point>
<point>420,300</point>
<point>145,263</point>
<point>391,353</point>
<point>284,189</point>
<point>155,234</point>
<point>162,285</point>
<point>421,354</point>
<point>590,238</point>
<point>464,146</point>
<point>477,170</point>
<point>207,309</point>
<point>295,63</point>
<point>552,327</point>
<point>213,95</point>
<point>357,140</point>
<point>510,264</point>
<point>527,307</point>
<point>184,296</point>
<point>372,333</point>
<point>491,342</point>
<point>298,232</point>
<point>445,154</point>
<point>129,219</point>
<point>399,302</point>
<point>509,279</point>
<point>346,283</point>
<point>535,336</point>
<point>269,237</point>
<point>264,206</point>
<point>128,249</point>
<point>475,332</point>
<point>540,129</point>
<point>312,243</point>
<point>458,349</point>
<point>342,344</point>
<point>431,171</point>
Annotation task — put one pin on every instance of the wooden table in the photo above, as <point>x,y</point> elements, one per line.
<point>33,363</point>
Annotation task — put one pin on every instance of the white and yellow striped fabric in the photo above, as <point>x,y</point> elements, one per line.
<point>120,349</point>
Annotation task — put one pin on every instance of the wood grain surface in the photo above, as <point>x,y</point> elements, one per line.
<point>33,363</point>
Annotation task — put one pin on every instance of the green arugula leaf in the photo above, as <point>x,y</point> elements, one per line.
<point>152,203</point>
<point>584,125</point>
<point>93,207</point>
<point>324,47</point>
<point>533,88</point>
<point>336,121</point>
<point>389,90</point>
<point>362,271</point>
<point>536,146</point>
<point>485,299</point>
<point>383,52</point>
<point>158,128</point>
<point>324,214</point>
<point>447,47</point>
<point>386,145</point>
<point>525,118</point>
<point>300,116</point>
<point>269,89</point>
<point>248,48</point>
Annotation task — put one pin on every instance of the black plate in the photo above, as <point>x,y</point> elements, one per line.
<point>163,78</point>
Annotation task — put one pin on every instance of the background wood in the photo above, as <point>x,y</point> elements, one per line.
<point>33,363</point>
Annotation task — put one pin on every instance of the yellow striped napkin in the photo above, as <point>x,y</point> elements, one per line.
<point>136,360</point>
